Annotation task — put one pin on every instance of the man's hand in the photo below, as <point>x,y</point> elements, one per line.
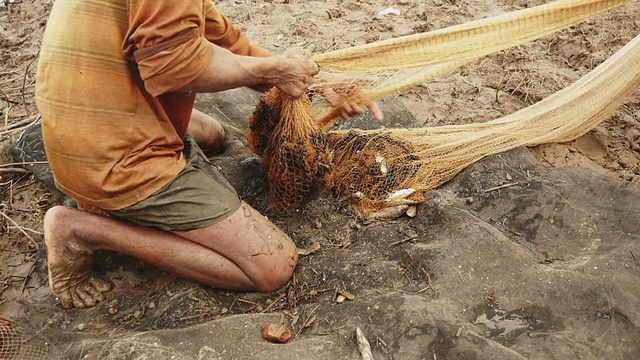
<point>296,72</point>
<point>350,108</point>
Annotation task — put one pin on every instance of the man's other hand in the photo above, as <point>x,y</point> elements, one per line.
<point>350,108</point>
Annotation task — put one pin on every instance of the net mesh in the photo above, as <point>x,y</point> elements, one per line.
<point>370,72</point>
<point>381,168</point>
<point>18,343</point>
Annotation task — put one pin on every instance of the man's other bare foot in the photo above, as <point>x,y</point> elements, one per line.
<point>70,260</point>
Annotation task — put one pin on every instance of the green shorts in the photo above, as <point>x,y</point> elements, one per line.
<point>198,196</point>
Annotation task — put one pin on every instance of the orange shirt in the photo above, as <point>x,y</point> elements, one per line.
<point>106,88</point>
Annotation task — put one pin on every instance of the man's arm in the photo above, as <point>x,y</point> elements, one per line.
<point>292,72</point>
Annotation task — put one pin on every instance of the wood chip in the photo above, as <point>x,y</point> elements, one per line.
<point>501,187</point>
<point>346,294</point>
<point>311,249</point>
<point>363,345</point>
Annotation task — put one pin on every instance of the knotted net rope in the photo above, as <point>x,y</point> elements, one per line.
<point>373,167</point>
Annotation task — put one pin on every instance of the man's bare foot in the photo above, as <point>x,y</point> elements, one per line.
<point>70,260</point>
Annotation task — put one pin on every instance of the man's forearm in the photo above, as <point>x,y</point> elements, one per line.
<point>291,72</point>
<point>227,71</point>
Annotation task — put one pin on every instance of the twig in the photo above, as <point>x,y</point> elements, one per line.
<point>363,345</point>
<point>310,319</point>
<point>403,241</point>
<point>24,163</point>
<point>501,187</point>
<point>247,301</point>
<point>19,125</point>
<point>428,278</point>
<point>33,242</point>
<point>459,332</point>
<point>10,72</point>
<point>21,251</point>
<point>27,229</point>
<point>24,82</point>
<point>6,113</point>
<point>5,98</point>
<point>14,170</point>
<point>26,278</point>
<point>9,81</point>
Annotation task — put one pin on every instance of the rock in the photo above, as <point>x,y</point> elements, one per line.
<point>627,161</point>
<point>412,211</point>
<point>591,146</point>
<point>632,133</point>
<point>277,333</point>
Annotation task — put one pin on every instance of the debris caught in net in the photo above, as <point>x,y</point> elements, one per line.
<point>377,169</point>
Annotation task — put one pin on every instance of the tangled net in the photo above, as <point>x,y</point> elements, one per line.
<point>293,148</point>
<point>17,343</point>
<point>377,169</point>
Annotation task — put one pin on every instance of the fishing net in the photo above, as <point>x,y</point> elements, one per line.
<point>18,343</point>
<point>382,168</point>
<point>293,148</point>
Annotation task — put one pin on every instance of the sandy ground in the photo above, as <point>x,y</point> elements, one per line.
<point>494,86</point>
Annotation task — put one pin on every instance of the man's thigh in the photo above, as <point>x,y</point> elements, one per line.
<point>199,196</point>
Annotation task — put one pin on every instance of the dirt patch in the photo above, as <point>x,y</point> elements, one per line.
<point>544,269</point>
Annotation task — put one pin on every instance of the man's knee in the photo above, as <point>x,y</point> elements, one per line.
<point>207,131</point>
<point>263,252</point>
<point>277,274</point>
<point>60,217</point>
<point>215,136</point>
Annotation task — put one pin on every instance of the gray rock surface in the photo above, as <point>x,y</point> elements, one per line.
<point>509,260</point>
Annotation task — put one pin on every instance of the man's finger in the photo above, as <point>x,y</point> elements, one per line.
<point>347,109</point>
<point>309,80</point>
<point>375,111</point>
<point>357,109</point>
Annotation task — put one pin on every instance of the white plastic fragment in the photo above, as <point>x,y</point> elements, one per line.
<point>388,11</point>
<point>383,164</point>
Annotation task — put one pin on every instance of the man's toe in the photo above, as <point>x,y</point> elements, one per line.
<point>100,284</point>
<point>86,298</point>
<point>93,292</point>
<point>77,301</point>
